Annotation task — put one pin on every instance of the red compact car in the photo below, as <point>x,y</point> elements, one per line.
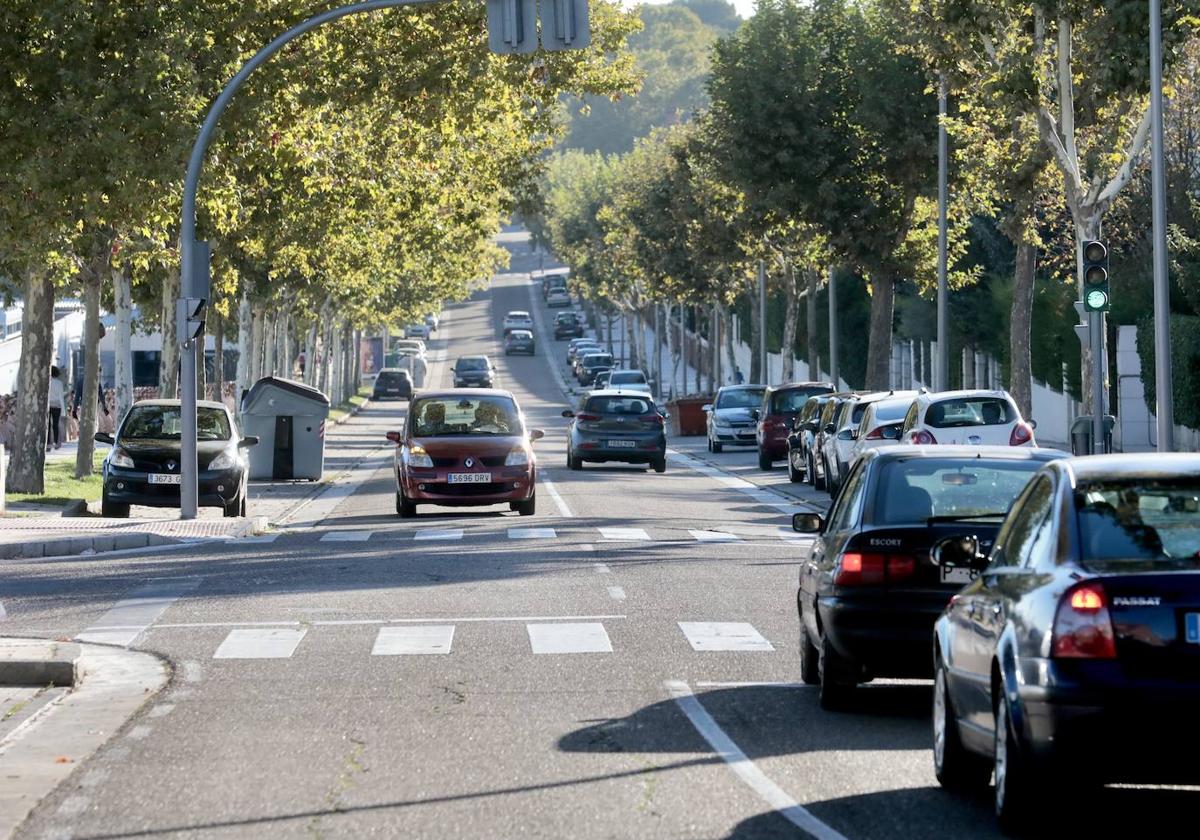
<point>465,447</point>
<point>779,408</point>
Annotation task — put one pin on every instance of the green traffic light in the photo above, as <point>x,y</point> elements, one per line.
<point>1096,300</point>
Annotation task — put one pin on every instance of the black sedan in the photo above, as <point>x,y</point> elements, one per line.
<point>567,325</point>
<point>591,364</point>
<point>1075,654</point>
<point>142,468</point>
<point>474,371</point>
<point>392,384</point>
<point>519,341</point>
<point>617,426</point>
<point>870,592</point>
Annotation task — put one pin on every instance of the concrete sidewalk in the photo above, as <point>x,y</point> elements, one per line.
<point>57,536</point>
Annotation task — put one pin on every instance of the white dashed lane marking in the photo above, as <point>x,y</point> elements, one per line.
<point>127,618</point>
<point>347,536</point>
<point>623,534</point>
<point>714,536</point>
<point>260,643</point>
<point>723,635</point>
<point>568,638</point>
<point>414,639</point>
<point>617,593</point>
<point>439,534</point>
<point>531,533</point>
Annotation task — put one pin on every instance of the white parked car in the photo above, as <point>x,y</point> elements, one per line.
<point>558,297</point>
<point>413,344</point>
<point>518,319</point>
<point>628,380</point>
<point>416,331</point>
<point>985,418</point>
<point>881,423</point>
<point>838,443</point>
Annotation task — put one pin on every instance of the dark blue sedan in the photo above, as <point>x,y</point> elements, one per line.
<point>1074,657</point>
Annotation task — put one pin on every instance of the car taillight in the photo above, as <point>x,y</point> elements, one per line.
<point>1082,626</point>
<point>1021,434</point>
<point>875,434</point>
<point>654,418</point>
<point>587,417</point>
<point>923,437</point>
<point>869,569</point>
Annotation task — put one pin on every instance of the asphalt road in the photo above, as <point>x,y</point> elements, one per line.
<point>472,673</point>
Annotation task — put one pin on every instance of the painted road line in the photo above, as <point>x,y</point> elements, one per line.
<point>3,614</point>
<point>129,617</point>
<point>743,767</point>
<point>274,643</point>
<point>714,536</point>
<point>723,635</point>
<point>631,534</point>
<point>439,534</point>
<point>423,639</point>
<point>378,621</point>
<point>617,593</point>
<point>261,539</point>
<point>568,638</point>
<point>559,501</point>
<point>788,535</point>
<point>751,684</point>
<point>346,536</point>
<point>602,568</point>
<point>531,533</point>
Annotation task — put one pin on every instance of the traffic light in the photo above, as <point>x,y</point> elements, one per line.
<point>565,24</point>
<point>512,26</point>
<point>1095,276</point>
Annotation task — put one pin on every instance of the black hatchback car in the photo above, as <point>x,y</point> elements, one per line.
<point>617,426</point>
<point>392,384</point>
<point>474,371</point>
<point>567,325</point>
<point>870,592</point>
<point>1075,654</point>
<point>142,468</point>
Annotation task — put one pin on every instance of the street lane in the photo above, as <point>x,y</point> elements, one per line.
<point>438,687</point>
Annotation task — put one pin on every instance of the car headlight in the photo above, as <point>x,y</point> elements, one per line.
<point>418,457</point>
<point>225,461</point>
<point>120,458</point>
<point>721,422</point>
<point>517,458</point>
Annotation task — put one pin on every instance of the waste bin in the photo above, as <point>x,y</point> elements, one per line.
<point>1081,434</point>
<point>289,419</point>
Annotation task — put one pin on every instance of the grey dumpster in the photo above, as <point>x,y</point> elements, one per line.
<point>1081,434</point>
<point>289,419</point>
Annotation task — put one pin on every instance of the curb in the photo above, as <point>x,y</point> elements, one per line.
<point>100,545</point>
<point>36,664</point>
<point>41,752</point>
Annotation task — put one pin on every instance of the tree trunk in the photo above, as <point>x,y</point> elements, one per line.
<point>714,346</point>
<point>789,321</point>
<point>168,360</point>
<point>335,385</point>
<point>310,355</point>
<point>645,343</point>
<point>699,353</point>
<point>270,327</point>
<point>219,359</point>
<point>245,330</point>
<point>123,366</point>
<point>658,343</point>
<point>727,317</point>
<point>88,404</point>
<point>879,347</point>
<point>1020,383</point>
<point>810,318</point>
<point>757,374</point>
<point>256,344</point>
<point>28,456</point>
<point>283,354</point>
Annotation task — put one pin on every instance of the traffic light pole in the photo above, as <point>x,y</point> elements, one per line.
<point>1096,340</point>
<point>189,269</point>
<point>1164,390</point>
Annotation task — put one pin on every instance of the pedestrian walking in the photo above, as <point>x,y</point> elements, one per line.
<point>738,378</point>
<point>78,399</point>
<point>58,404</point>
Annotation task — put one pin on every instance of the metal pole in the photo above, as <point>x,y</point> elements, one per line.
<point>833,331</point>
<point>942,377</point>
<point>762,323</point>
<point>1164,390</point>
<point>189,488</point>
<point>1096,339</point>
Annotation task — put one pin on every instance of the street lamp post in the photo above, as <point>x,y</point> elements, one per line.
<point>942,370</point>
<point>1163,386</point>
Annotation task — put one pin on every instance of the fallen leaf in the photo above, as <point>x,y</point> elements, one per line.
<point>62,759</point>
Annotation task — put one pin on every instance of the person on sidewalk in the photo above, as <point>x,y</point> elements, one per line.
<point>58,404</point>
<point>78,400</point>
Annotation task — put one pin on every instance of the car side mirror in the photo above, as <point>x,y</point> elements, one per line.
<point>830,429</point>
<point>807,523</point>
<point>848,434</point>
<point>104,437</point>
<point>958,552</point>
<point>536,434</point>
<point>568,413</point>
<point>755,414</point>
<point>394,437</point>
<point>664,414</point>
<point>248,441</point>
<point>706,408</point>
<point>1032,424</point>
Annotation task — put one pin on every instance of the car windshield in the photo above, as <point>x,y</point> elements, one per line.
<point>792,400</point>
<point>452,416</point>
<point>912,490</point>
<point>619,405</point>
<point>566,318</point>
<point>628,378</point>
<point>970,411</point>
<point>162,422</point>
<point>519,316</point>
<point>1140,523</point>
<point>520,334</point>
<point>471,363</point>
<point>741,398</point>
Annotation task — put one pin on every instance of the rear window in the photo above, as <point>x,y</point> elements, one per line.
<point>915,489</point>
<point>630,378</point>
<point>791,400</point>
<point>392,377</point>
<point>619,405</point>
<point>1143,523</point>
<point>890,411</point>
<point>566,318</point>
<point>598,360</point>
<point>970,411</point>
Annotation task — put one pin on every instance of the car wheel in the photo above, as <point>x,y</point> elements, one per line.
<point>717,446</point>
<point>1014,784</point>
<point>764,460</point>
<point>404,508</point>
<point>233,509</point>
<point>573,463</point>
<point>809,656</point>
<point>660,464</point>
<point>818,480</point>
<point>527,507</point>
<point>113,510</point>
<point>244,504</point>
<point>835,688</point>
<point>954,765</point>
<point>794,475</point>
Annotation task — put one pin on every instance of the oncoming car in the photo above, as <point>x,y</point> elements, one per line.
<point>730,419</point>
<point>474,371</point>
<point>465,448</point>
<point>143,466</point>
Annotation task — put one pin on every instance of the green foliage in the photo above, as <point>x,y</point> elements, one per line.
<point>1185,366</point>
